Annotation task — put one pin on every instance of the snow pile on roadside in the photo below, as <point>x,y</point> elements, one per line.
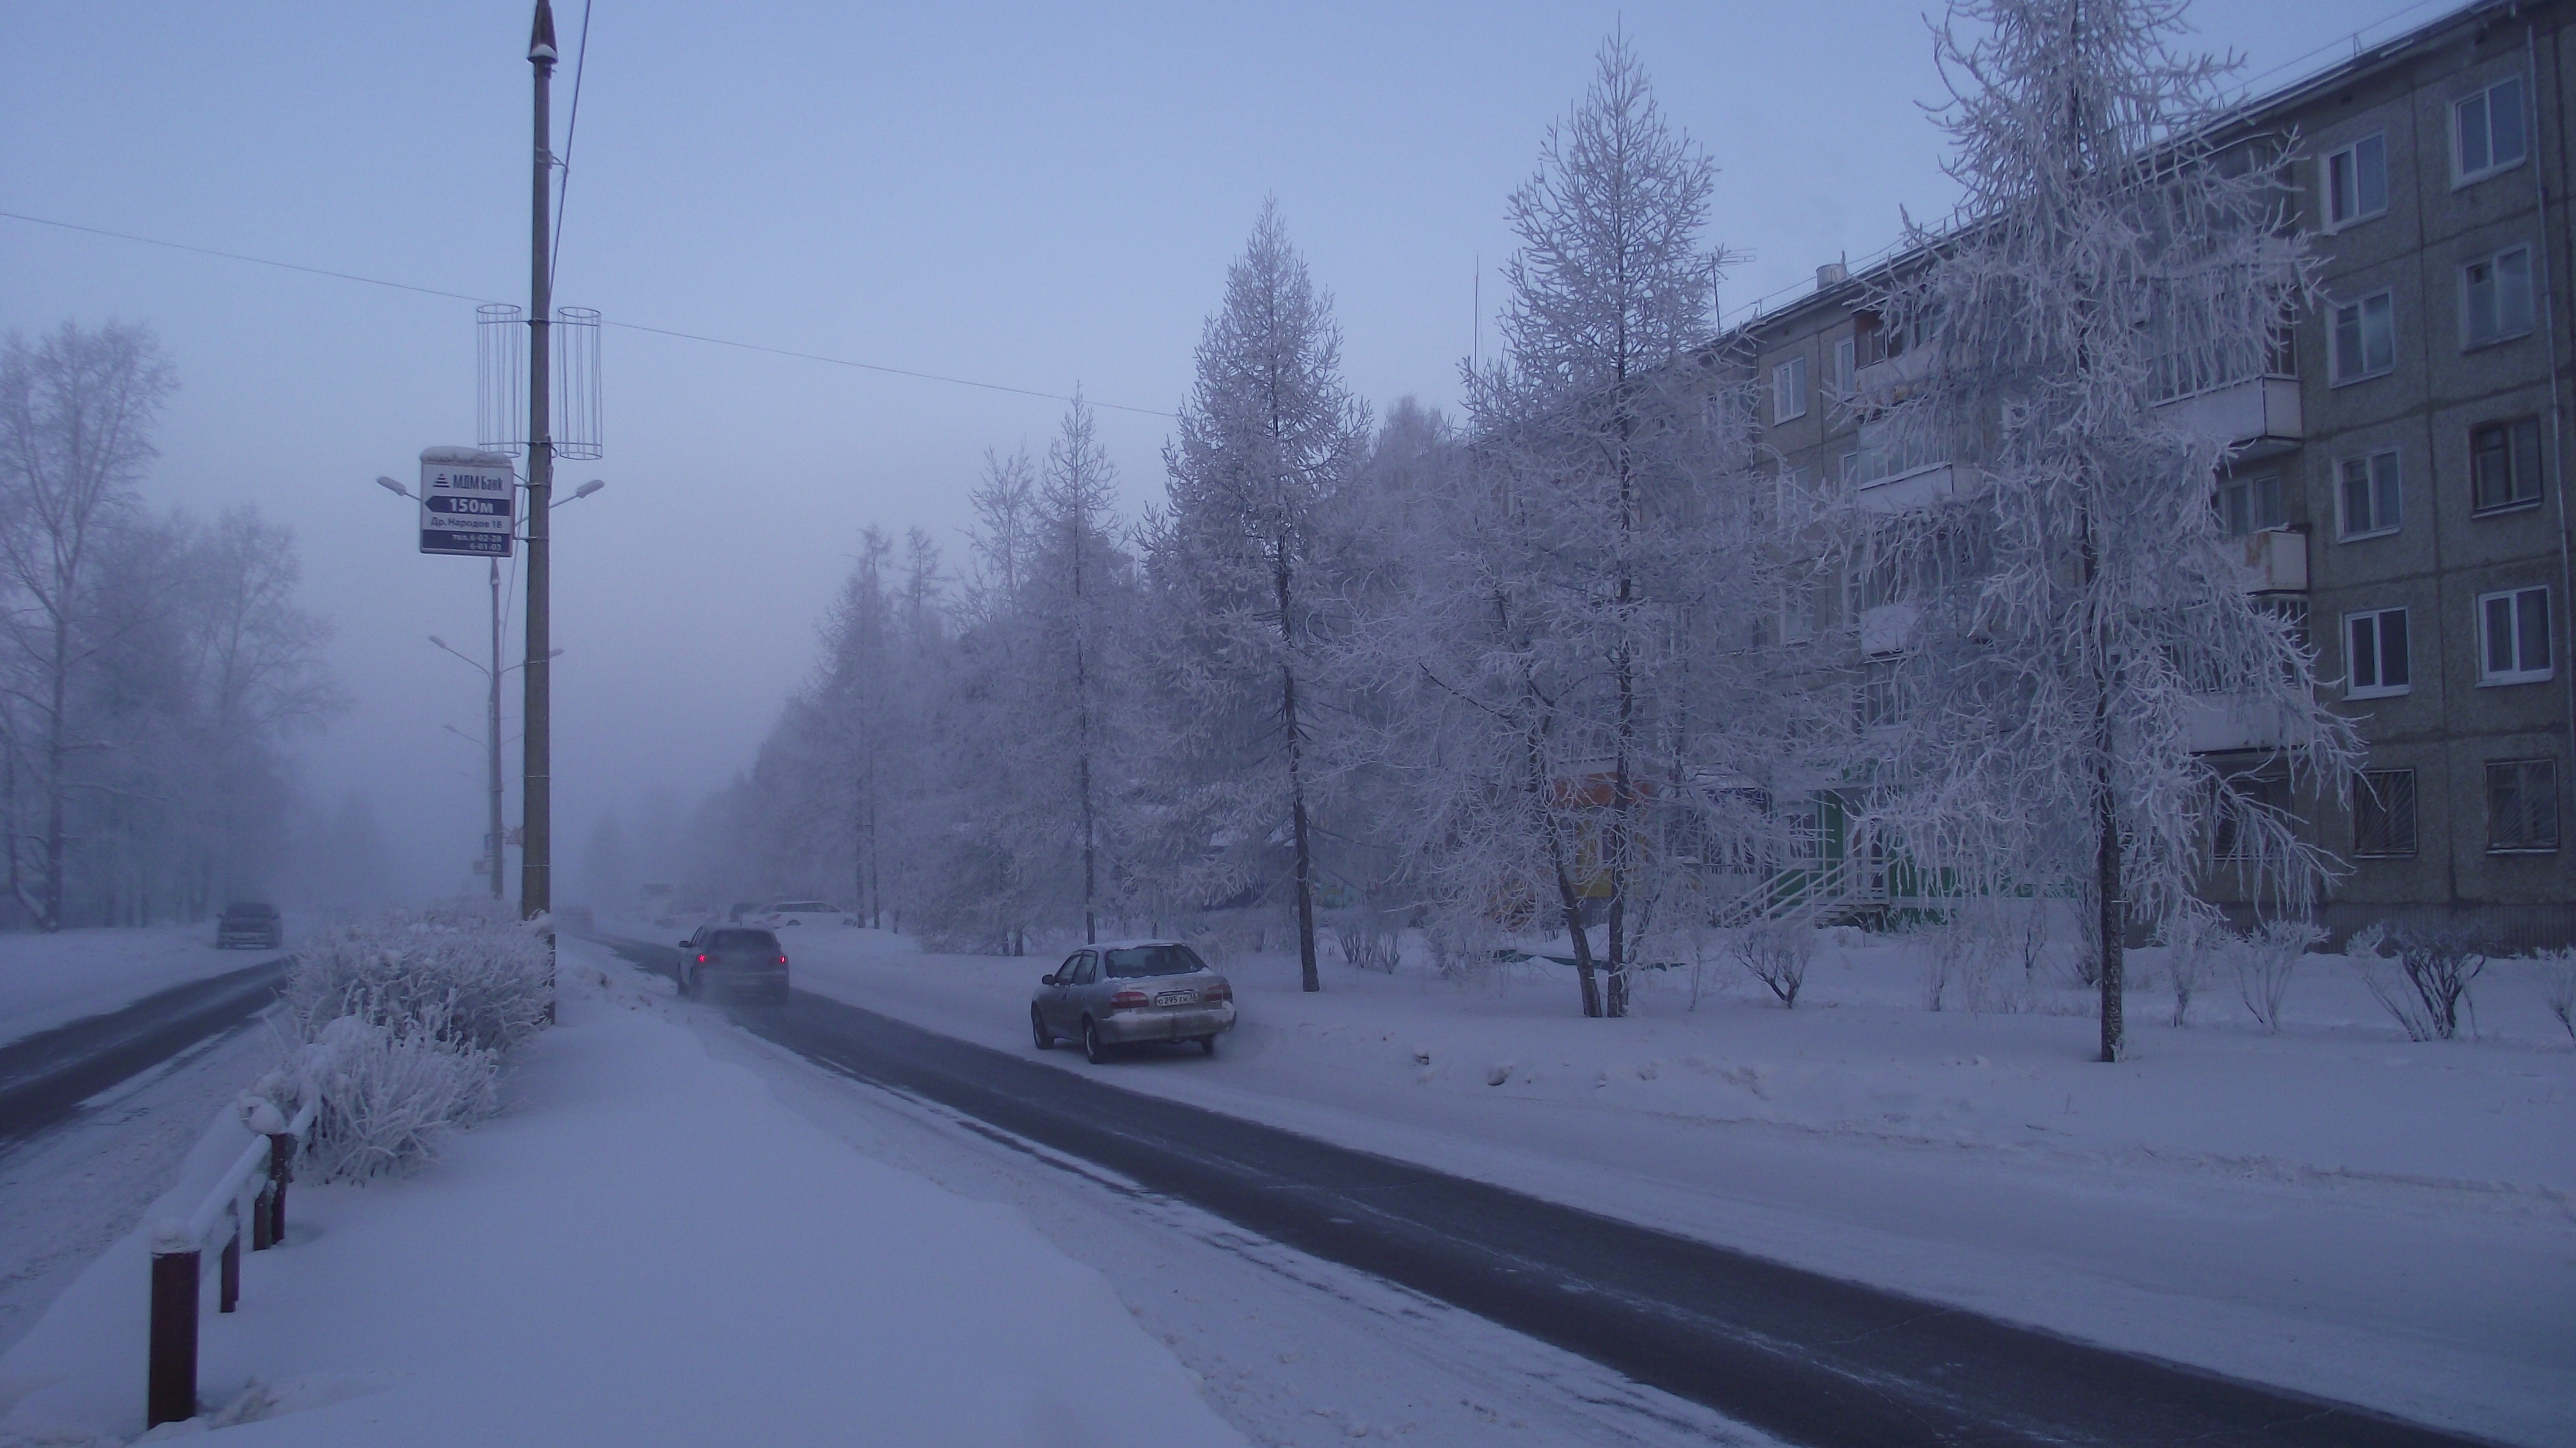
<point>51,980</point>
<point>644,1248</point>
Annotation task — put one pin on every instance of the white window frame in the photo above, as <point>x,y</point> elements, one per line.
<point>2360,309</point>
<point>1789,390</point>
<point>2514,429</point>
<point>2514,614</point>
<point>1846,367</point>
<point>2351,156</point>
<point>2382,521</point>
<point>2463,174</point>
<point>2376,620</point>
<point>2506,328</point>
<point>2252,486</point>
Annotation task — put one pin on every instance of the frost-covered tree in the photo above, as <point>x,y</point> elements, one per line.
<point>1241,556</point>
<point>2072,614</point>
<point>1593,597</point>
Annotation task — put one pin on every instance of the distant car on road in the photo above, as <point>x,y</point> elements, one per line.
<point>741,959</point>
<point>249,923</point>
<point>804,912</point>
<point>1131,990</point>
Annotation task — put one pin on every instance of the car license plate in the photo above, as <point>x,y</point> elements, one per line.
<point>1176,998</point>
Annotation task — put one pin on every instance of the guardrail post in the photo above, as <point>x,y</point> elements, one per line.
<point>170,1394</point>
<point>228,1272</point>
<point>281,1170</point>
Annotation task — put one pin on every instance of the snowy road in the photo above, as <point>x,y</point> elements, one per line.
<point>44,1078</point>
<point>1810,1358</point>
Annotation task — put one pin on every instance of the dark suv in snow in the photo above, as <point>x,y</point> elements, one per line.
<point>251,924</point>
<point>738,958</point>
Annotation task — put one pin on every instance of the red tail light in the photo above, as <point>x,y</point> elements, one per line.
<point>702,960</point>
<point>1128,1000</point>
<point>1217,992</point>
<point>782,960</point>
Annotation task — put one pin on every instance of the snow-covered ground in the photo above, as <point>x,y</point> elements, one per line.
<point>645,1248</point>
<point>50,980</point>
<point>2333,1209</point>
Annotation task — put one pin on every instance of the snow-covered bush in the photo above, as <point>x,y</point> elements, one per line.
<point>2424,984</point>
<point>389,1091</point>
<point>2192,943</point>
<point>399,1023</point>
<point>483,975</point>
<point>1777,953</point>
<point>1370,939</point>
<point>2558,986</point>
<point>2263,963</point>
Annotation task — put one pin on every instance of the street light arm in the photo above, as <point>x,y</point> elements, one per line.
<point>384,482</point>
<point>478,664</point>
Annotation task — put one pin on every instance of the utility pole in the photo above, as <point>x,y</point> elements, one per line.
<point>536,854</point>
<point>492,721</point>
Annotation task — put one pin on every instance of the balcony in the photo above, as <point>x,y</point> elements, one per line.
<point>2259,416</point>
<point>2223,724</point>
<point>2274,560</point>
<point>1884,384</point>
<point>1904,492</point>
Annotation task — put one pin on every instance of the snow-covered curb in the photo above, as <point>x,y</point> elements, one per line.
<point>644,1248</point>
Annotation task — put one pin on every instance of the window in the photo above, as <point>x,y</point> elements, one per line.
<point>2243,802</point>
<point>2248,505</point>
<point>2486,131</point>
<point>2375,654</point>
<point>2368,493</point>
<point>2357,182</point>
<point>2513,636</point>
<point>1885,692</point>
<point>2365,337</point>
<point>2504,464</point>
<point>1846,365</point>
<point>1797,497</point>
<point>2495,297</point>
<point>2383,814</point>
<point>2522,805</point>
<point>1789,390</point>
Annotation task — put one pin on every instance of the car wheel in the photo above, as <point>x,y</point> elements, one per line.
<point>1207,1045</point>
<point>1094,1050</point>
<point>1038,1028</point>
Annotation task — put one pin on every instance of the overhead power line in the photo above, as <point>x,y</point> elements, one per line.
<point>319,271</point>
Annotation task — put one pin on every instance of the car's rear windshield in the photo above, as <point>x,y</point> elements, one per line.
<point>744,940</point>
<point>1139,960</point>
<point>807,906</point>
<point>250,912</point>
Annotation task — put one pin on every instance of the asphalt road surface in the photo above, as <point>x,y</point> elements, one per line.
<point>1808,1358</point>
<point>45,1077</point>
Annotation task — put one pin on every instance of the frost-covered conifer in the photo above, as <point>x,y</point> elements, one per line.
<point>1241,556</point>
<point>2072,614</point>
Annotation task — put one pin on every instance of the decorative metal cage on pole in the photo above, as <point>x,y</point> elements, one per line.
<point>576,391</point>
<point>500,378</point>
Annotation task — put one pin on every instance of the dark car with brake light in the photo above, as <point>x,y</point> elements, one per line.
<point>739,959</point>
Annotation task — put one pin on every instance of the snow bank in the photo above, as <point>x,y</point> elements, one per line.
<point>51,980</point>
<point>644,1248</point>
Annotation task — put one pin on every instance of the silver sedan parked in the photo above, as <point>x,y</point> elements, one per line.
<point>1131,990</point>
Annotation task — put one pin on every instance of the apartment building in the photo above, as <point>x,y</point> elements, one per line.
<point>2399,480</point>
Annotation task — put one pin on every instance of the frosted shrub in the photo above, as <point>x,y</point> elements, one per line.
<point>2191,943</point>
<point>398,1024</point>
<point>1369,939</point>
<point>482,975</point>
<point>1777,953</point>
<point>389,1092</point>
<point>2424,985</point>
<point>2263,963</point>
<point>2558,986</point>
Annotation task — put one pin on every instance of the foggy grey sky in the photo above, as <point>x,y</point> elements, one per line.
<point>1034,196</point>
